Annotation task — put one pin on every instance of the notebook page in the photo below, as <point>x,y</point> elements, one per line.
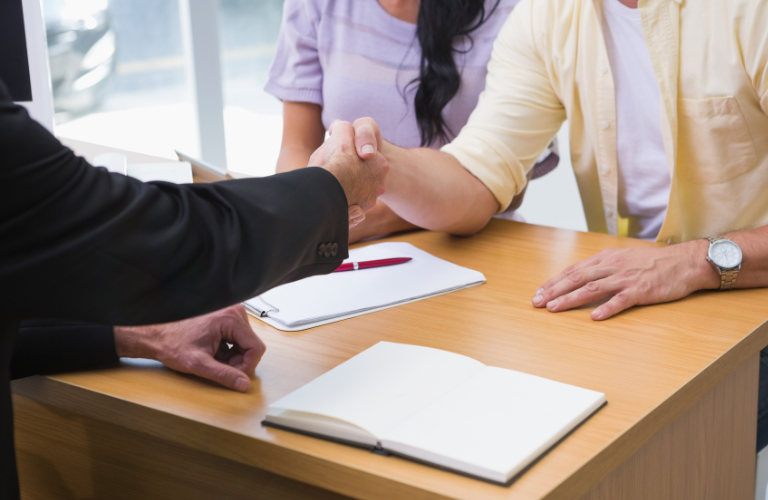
<point>494,424</point>
<point>339,294</point>
<point>382,386</point>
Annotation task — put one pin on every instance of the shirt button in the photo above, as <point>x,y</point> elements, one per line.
<point>605,169</point>
<point>609,213</point>
<point>604,124</point>
<point>669,242</point>
<point>603,69</point>
<point>321,249</point>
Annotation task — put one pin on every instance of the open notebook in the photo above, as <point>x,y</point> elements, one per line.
<point>324,299</point>
<point>437,407</point>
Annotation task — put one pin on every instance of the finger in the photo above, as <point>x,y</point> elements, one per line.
<point>356,216</point>
<point>594,260</point>
<point>573,279</point>
<point>618,303</point>
<point>365,141</point>
<point>204,365</point>
<point>367,137</point>
<point>342,137</point>
<point>250,345</point>
<point>384,166</point>
<point>334,122</point>
<point>592,291</point>
<point>318,157</point>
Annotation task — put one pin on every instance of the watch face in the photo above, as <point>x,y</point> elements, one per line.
<point>725,254</point>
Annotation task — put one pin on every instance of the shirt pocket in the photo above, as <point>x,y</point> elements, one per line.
<point>714,142</point>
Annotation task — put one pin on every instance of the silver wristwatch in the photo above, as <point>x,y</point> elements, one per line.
<point>725,255</point>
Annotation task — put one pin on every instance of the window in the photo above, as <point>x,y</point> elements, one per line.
<point>119,77</point>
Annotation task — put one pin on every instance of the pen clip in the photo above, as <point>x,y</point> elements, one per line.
<point>262,311</point>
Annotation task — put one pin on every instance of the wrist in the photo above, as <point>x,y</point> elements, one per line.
<point>135,341</point>
<point>705,275</point>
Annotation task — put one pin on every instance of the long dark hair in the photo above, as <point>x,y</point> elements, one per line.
<point>440,24</point>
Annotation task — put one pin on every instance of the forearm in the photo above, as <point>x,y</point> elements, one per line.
<point>293,158</point>
<point>53,347</point>
<point>380,220</point>
<point>754,265</point>
<point>431,189</point>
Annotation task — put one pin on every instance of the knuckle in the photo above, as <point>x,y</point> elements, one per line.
<point>575,276</point>
<point>569,270</point>
<point>629,273</point>
<point>223,375</point>
<point>192,362</point>
<point>644,286</point>
<point>592,286</point>
<point>622,298</point>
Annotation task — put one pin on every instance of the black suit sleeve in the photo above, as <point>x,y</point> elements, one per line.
<point>54,346</point>
<point>82,244</point>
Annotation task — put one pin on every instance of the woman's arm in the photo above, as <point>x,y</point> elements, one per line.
<point>303,133</point>
<point>380,220</point>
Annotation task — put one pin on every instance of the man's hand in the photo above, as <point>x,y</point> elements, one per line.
<point>199,346</point>
<point>362,180</point>
<point>630,277</point>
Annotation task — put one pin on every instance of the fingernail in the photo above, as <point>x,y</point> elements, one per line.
<point>356,212</point>
<point>538,300</point>
<point>552,304</point>
<point>597,314</point>
<point>539,291</point>
<point>358,220</point>
<point>242,384</point>
<point>367,149</point>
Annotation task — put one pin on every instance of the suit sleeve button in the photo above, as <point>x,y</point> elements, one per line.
<point>327,252</point>
<point>321,249</point>
<point>334,249</point>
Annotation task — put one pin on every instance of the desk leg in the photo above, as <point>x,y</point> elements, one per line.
<point>707,453</point>
<point>66,456</point>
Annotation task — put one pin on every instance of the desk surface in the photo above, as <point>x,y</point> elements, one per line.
<point>653,363</point>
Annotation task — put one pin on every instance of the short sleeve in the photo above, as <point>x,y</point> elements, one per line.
<point>296,73</point>
<point>517,115</point>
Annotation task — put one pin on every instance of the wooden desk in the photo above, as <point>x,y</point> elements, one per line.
<point>680,378</point>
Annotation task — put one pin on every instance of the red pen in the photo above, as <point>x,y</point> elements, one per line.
<point>354,266</point>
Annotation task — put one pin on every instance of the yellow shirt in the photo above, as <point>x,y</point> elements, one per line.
<point>710,58</point>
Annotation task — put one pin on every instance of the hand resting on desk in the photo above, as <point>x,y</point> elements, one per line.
<point>199,346</point>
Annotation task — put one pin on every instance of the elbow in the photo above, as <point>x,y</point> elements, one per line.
<point>469,228</point>
<point>472,222</point>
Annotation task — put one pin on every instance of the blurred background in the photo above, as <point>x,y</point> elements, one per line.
<point>119,79</point>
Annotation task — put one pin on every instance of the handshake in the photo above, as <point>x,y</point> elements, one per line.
<point>351,155</point>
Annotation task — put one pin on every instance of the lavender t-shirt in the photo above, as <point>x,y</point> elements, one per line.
<point>354,59</point>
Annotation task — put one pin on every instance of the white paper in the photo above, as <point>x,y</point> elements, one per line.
<point>382,386</point>
<point>321,299</point>
<point>178,172</point>
<point>494,424</point>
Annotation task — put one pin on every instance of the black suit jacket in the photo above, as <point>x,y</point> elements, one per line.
<point>80,244</point>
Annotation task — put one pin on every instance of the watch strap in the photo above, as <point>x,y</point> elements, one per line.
<point>727,278</point>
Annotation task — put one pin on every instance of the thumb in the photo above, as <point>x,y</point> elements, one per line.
<point>366,138</point>
<point>204,365</point>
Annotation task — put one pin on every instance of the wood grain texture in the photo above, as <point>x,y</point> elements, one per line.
<point>653,363</point>
<point>706,454</point>
<point>66,456</point>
